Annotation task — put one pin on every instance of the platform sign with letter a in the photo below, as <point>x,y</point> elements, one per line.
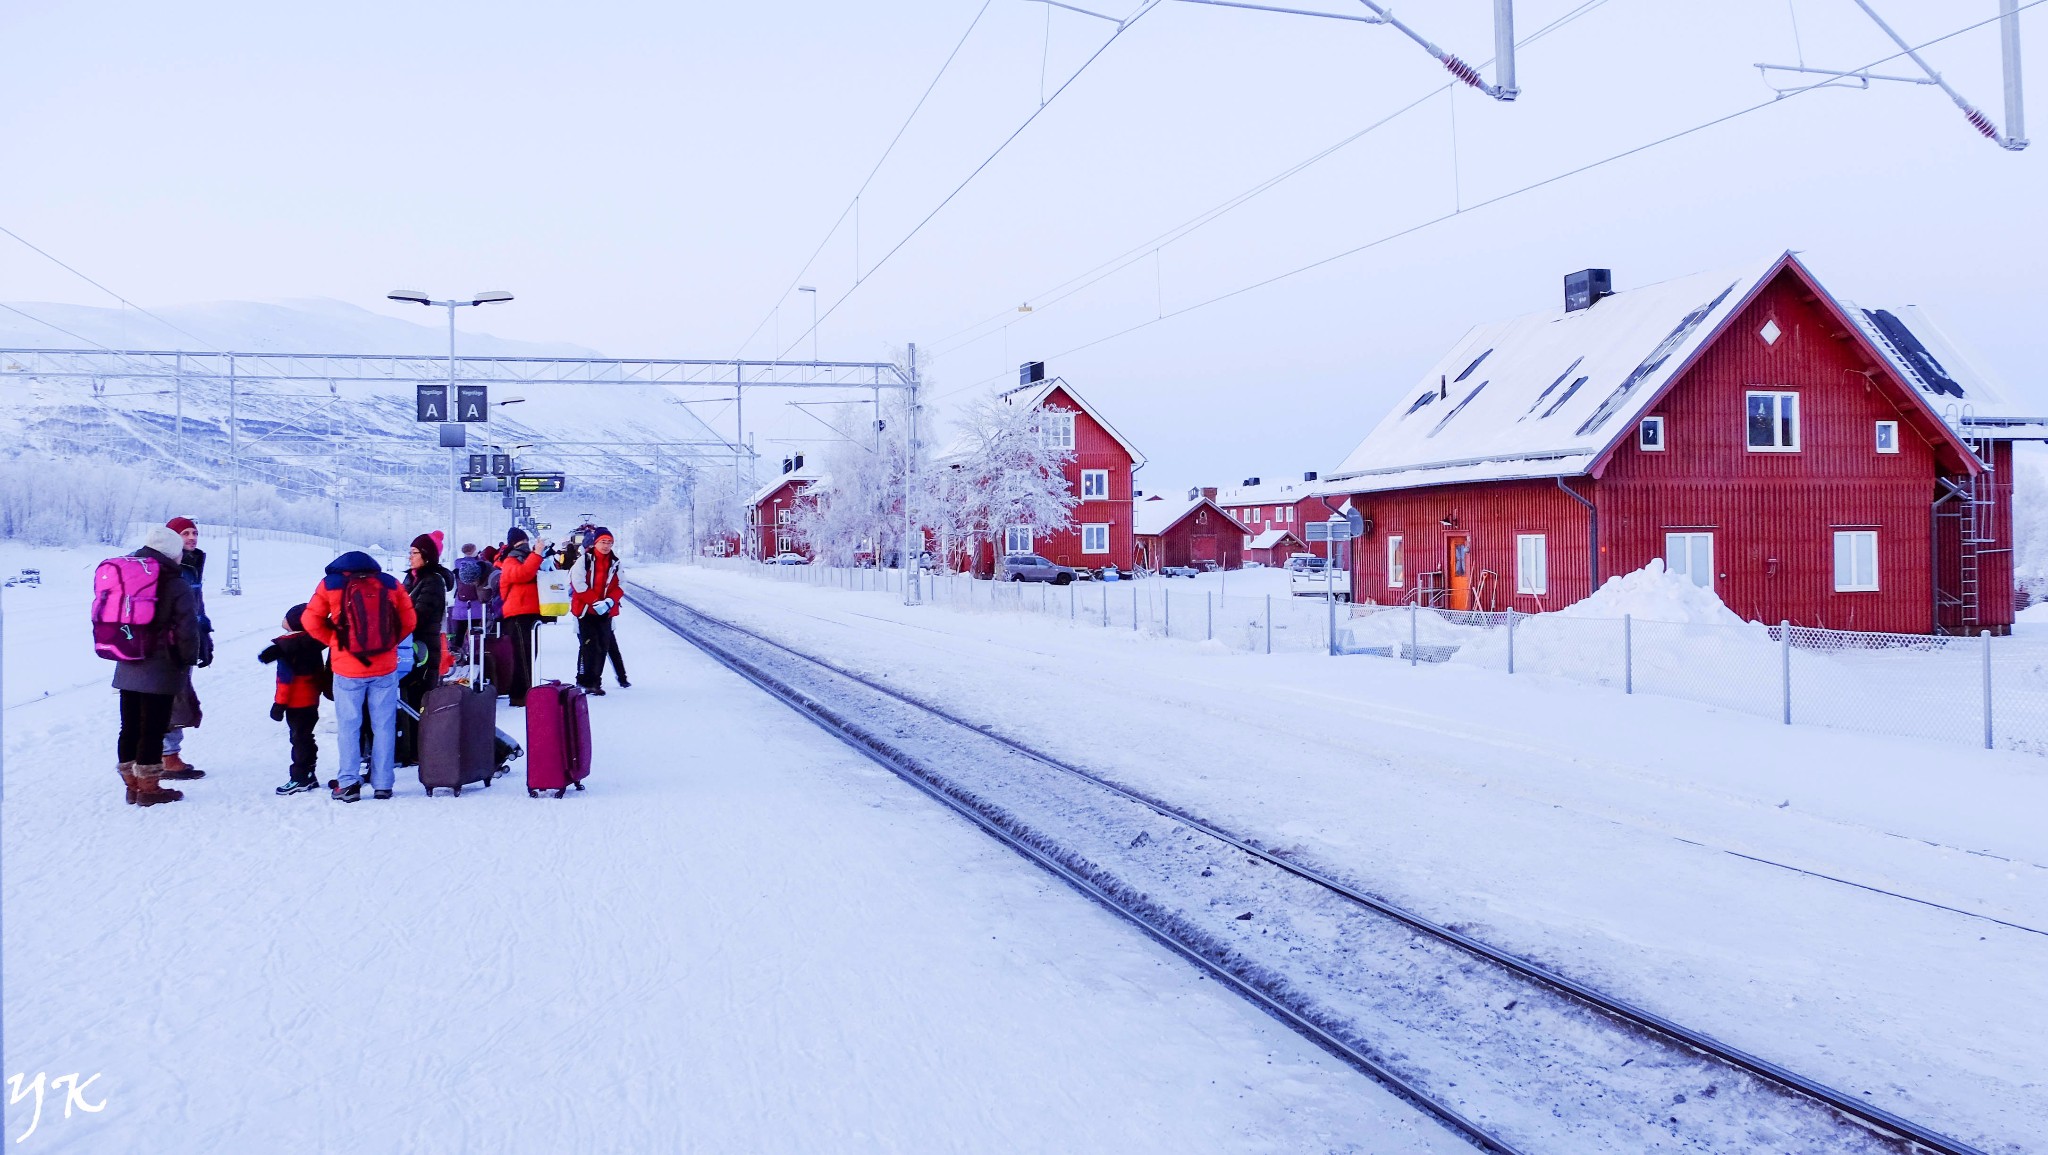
<point>472,403</point>
<point>432,403</point>
<point>539,483</point>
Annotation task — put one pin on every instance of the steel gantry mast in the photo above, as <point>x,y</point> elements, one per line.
<point>1503,88</point>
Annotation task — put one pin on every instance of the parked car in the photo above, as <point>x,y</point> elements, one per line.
<point>787,558</point>
<point>1186,571</point>
<point>1029,567</point>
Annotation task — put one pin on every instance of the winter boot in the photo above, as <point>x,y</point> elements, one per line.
<point>127,771</point>
<point>147,790</point>
<point>350,793</point>
<point>380,794</point>
<point>297,785</point>
<point>177,768</point>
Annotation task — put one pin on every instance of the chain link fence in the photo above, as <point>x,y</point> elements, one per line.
<point>1984,691</point>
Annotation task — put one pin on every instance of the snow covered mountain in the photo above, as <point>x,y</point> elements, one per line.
<point>328,440</point>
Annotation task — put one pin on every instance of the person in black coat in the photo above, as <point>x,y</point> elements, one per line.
<point>185,711</point>
<point>427,581</point>
<point>149,685</point>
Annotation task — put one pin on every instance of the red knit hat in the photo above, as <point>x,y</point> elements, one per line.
<point>180,524</point>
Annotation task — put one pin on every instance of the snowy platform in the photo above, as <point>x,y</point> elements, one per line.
<point>743,937</point>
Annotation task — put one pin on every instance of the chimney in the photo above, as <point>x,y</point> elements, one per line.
<point>787,465</point>
<point>1586,286</point>
<point>1309,476</point>
<point>799,461</point>
<point>1209,491</point>
<point>1250,481</point>
<point>1030,372</point>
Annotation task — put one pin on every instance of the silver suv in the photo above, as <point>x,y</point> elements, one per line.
<point>1029,567</point>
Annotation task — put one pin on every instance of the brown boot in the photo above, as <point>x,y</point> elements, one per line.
<point>127,771</point>
<point>176,768</point>
<point>148,792</point>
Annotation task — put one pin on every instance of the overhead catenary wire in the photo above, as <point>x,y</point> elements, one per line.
<point>1057,293</point>
<point>1387,238</point>
<point>1148,6</point>
<point>205,347</point>
<point>852,205</point>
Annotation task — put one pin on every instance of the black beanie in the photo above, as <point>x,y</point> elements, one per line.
<point>294,618</point>
<point>515,536</point>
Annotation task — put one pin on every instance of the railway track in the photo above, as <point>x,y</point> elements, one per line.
<point>1509,1055</point>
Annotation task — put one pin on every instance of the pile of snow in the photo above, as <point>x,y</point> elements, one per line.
<point>1654,594</point>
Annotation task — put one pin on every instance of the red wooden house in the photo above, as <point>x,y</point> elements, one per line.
<point>1808,460</point>
<point>1265,507</point>
<point>1099,475</point>
<point>1274,547</point>
<point>1188,533</point>
<point>773,507</point>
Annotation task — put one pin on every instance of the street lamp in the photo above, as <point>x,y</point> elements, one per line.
<point>416,297</point>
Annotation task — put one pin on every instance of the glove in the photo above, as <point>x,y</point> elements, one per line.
<point>601,607</point>
<point>277,711</point>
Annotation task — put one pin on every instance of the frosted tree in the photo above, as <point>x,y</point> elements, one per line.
<point>857,505</point>
<point>1008,469</point>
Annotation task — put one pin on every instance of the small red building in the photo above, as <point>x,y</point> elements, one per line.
<point>1806,459</point>
<point>1293,506</point>
<point>1100,476</point>
<point>1273,547</point>
<point>1188,533</point>
<point>773,507</point>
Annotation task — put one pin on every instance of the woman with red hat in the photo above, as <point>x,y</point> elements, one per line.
<point>594,596</point>
<point>185,712</point>
<point>427,582</point>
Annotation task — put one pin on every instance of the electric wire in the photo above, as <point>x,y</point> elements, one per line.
<point>205,347</point>
<point>879,161</point>
<point>1533,186</point>
<point>1122,28</point>
<point>1118,263</point>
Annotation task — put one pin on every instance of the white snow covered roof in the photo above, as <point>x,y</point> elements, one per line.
<point>1271,538</point>
<point>1032,396</point>
<point>1546,394</point>
<point>803,476</point>
<point>1924,356</point>
<point>1267,493</point>
<point>1543,394</point>
<point>1155,516</point>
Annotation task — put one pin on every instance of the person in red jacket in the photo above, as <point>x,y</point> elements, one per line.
<point>519,589</point>
<point>363,617</point>
<point>594,597</point>
<point>301,667</point>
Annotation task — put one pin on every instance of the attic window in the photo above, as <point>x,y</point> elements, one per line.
<point>1770,332</point>
<point>1472,366</point>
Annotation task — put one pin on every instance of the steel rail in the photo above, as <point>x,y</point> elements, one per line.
<point>1866,1114</point>
<point>906,768</point>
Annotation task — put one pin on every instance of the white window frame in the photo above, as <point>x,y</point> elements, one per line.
<point>1097,531</point>
<point>1856,581</point>
<point>1878,438</point>
<point>1643,428</point>
<point>1095,492</point>
<point>1397,561</point>
<point>782,515</point>
<point>1012,536</point>
<point>1778,408</point>
<point>1532,564</point>
<point>1689,537</point>
<point>1056,429</point>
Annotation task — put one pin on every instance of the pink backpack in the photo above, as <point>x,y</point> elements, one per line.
<point>124,625</point>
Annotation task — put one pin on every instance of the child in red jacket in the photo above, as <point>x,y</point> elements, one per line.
<point>301,667</point>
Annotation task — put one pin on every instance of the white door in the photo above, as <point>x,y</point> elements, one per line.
<point>1691,555</point>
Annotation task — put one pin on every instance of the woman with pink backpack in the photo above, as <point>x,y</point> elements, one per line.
<point>146,620</point>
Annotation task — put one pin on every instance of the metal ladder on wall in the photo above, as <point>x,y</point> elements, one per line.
<point>1974,529</point>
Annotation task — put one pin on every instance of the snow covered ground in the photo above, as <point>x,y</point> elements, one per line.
<point>1872,912</point>
<point>743,937</point>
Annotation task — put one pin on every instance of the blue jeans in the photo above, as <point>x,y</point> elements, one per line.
<point>378,696</point>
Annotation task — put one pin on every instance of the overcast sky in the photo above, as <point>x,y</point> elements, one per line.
<point>649,178</point>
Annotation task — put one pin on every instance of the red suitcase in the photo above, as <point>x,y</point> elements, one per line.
<point>557,738</point>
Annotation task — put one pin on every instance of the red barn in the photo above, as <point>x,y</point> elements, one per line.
<point>1188,533</point>
<point>1779,446</point>
<point>773,507</point>
<point>1273,547</point>
<point>1265,507</point>
<point>1099,475</point>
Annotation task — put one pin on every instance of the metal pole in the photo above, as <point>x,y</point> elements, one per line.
<point>1785,666</point>
<point>178,387</point>
<point>1105,607</point>
<point>913,541</point>
<point>1414,634</point>
<point>1071,602</point>
<point>234,582</point>
<point>2009,44</point>
<point>1986,635</point>
<point>454,474</point>
<point>1504,48</point>
<point>1511,639</point>
<point>1628,653</point>
<point>1269,623</point>
<point>1134,607</point>
<point>1209,630</point>
<point>1330,596</point>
